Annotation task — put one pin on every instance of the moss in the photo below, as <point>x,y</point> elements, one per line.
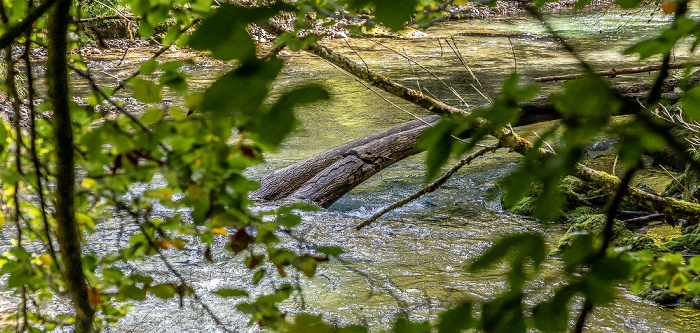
<point>580,214</point>
<point>622,237</point>
<point>525,206</point>
<point>662,296</point>
<point>689,240</point>
<point>576,192</point>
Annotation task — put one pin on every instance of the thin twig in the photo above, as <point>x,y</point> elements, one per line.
<point>32,146</point>
<point>356,53</point>
<point>158,53</point>
<point>430,188</point>
<point>136,216</point>
<point>459,55</point>
<point>454,92</point>
<point>515,60</point>
<point>377,93</point>
<point>690,194</point>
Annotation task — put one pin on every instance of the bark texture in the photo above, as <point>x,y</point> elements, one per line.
<point>67,226</point>
<point>615,72</point>
<point>358,165</point>
<point>282,183</point>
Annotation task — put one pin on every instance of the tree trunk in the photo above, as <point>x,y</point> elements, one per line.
<point>67,226</point>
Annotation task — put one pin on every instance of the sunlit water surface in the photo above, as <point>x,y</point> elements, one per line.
<point>412,260</point>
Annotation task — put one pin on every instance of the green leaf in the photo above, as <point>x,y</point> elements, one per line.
<point>691,104</point>
<point>280,120</point>
<point>258,276</point>
<point>225,292</point>
<point>112,274</point>
<point>666,41</point>
<point>201,5</point>
<point>177,113</point>
<point>174,80</point>
<point>403,325</point>
<point>289,220</point>
<point>133,292</point>
<point>553,316</point>
<point>306,265</point>
<point>225,33</point>
<point>504,314</point>
<point>330,250</point>
<point>148,67</point>
<point>581,248</point>
<point>628,3</point>
<point>438,140</point>
<point>394,14</point>
<point>457,319</point>
<point>242,90</point>
<point>163,290</point>
<point>514,247</point>
<point>151,116</point>
<point>305,322</point>
<point>146,91</point>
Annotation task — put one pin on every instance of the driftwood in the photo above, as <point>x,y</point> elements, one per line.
<point>506,138</point>
<point>615,72</point>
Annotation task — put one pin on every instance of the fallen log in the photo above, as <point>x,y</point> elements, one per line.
<point>614,72</point>
<point>358,165</point>
<point>282,183</point>
<point>506,137</point>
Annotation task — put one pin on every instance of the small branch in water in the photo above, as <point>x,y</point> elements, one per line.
<point>646,219</point>
<point>430,188</point>
<point>454,92</point>
<point>515,60</point>
<point>455,49</point>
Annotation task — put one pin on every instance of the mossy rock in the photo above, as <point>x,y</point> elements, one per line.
<point>525,206</point>
<point>594,224</point>
<point>689,240</point>
<point>661,296</point>
<point>576,192</point>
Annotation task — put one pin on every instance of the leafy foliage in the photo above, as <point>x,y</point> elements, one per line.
<point>201,155</point>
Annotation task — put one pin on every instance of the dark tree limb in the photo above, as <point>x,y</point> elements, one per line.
<point>358,165</point>
<point>615,72</point>
<point>69,235</point>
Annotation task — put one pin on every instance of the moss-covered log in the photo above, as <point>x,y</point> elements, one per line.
<point>509,139</point>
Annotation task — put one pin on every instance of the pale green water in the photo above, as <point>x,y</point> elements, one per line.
<point>414,258</point>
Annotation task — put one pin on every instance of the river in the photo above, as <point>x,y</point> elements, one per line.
<point>413,260</point>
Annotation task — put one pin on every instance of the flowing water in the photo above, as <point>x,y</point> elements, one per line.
<point>413,260</point>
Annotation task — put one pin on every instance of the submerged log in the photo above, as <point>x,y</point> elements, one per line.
<point>342,168</point>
